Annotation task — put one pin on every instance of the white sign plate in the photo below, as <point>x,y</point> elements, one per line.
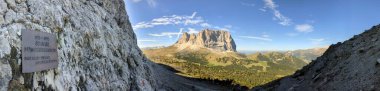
<point>39,51</point>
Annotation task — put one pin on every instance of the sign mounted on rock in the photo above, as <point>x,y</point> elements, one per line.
<point>39,51</point>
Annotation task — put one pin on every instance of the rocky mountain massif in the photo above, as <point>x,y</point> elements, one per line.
<point>96,46</point>
<point>351,65</point>
<point>216,40</point>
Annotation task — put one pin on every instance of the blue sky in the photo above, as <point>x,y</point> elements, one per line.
<point>255,25</point>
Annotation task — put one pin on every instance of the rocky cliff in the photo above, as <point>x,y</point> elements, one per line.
<point>349,66</point>
<point>96,46</point>
<point>215,40</point>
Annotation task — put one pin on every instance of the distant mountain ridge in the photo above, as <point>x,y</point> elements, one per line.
<point>308,54</point>
<point>213,39</point>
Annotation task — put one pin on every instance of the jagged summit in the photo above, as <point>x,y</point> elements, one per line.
<point>213,39</point>
<point>351,65</point>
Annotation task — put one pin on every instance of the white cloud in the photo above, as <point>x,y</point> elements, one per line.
<point>270,4</point>
<point>168,34</point>
<point>317,41</point>
<point>194,21</point>
<point>205,25</point>
<point>225,28</point>
<point>193,15</point>
<point>192,30</point>
<point>143,40</point>
<point>258,38</point>
<point>180,32</point>
<point>142,25</point>
<point>183,20</point>
<point>228,26</point>
<point>304,28</point>
<point>171,20</point>
<point>152,3</point>
<point>283,20</point>
<point>264,10</point>
<point>265,36</point>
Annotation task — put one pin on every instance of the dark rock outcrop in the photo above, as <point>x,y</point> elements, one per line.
<point>215,40</point>
<point>348,66</point>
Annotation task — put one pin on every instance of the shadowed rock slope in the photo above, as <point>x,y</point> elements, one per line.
<point>351,65</point>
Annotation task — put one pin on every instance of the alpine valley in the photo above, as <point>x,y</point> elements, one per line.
<point>212,55</point>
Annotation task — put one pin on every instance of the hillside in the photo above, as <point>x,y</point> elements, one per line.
<point>246,70</point>
<point>351,65</point>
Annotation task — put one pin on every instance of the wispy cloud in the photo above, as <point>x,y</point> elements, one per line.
<point>264,38</point>
<point>225,28</point>
<point>168,34</point>
<point>152,3</point>
<point>265,35</point>
<point>170,20</point>
<point>206,25</point>
<point>183,20</point>
<point>228,26</point>
<point>283,20</point>
<point>305,28</point>
<point>192,30</point>
<point>180,32</point>
<point>142,25</point>
<point>262,9</point>
<point>317,41</point>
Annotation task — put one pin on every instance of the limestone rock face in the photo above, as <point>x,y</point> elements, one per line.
<point>351,65</point>
<point>216,40</point>
<point>96,46</point>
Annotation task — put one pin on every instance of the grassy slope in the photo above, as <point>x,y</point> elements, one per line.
<point>246,70</point>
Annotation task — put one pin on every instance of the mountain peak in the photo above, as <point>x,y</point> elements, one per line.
<point>213,39</point>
